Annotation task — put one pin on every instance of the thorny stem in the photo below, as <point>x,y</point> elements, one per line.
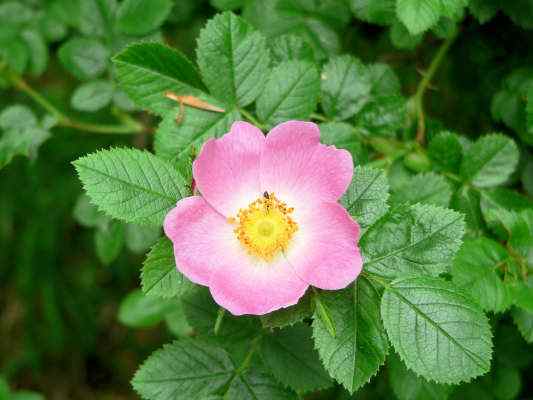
<point>129,125</point>
<point>424,84</point>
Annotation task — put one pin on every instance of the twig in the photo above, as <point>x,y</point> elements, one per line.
<point>425,84</point>
<point>129,126</point>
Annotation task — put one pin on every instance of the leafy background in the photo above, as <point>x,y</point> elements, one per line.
<point>426,94</point>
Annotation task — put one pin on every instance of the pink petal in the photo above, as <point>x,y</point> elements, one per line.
<point>199,234</point>
<point>226,171</point>
<point>301,171</point>
<point>247,286</point>
<point>324,250</point>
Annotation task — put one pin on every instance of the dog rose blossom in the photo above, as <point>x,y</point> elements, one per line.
<point>267,223</point>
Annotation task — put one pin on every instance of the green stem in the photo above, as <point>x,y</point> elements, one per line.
<point>21,85</point>
<point>248,358</point>
<point>376,278</point>
<point>324,313</point>
<point>251,118</point>
<point>130,126</point>
<point>425,82</point>
<point>102,129</point>
<point>220,318</point>
<point>319,117</point>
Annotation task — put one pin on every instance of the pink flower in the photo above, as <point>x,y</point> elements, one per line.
<point>268,223</point>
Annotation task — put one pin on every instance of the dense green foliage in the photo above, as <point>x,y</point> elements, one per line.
<point>433,99</point>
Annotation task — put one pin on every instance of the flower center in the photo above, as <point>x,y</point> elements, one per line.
<point>266,227</point>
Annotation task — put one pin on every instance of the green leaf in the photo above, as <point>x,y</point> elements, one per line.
<point>202,313</point>
<point>418,15</point>
<point>256,384</point>
<point>290,315</point>
<point>290,93</point>
<point>466,200</point>
<point>95,17</point>
<point>384,80</point>
<point>92,96</point>
<point>140,17</point>
<point>344,87</point>
<point>381,12</point>
<point>233,59</point>
<point>139,311</point>
<point>522,292</point>
<point>432,324</point>
<point>178,141</point>
<point>16,13</point>
<point>453,9</point>
<point>21,136</point>
<point>323,313</point>
<point>146,71</point>
<point>17,116</point>
<point>84,58</point>
<point>160,276</point>
<point>225,5</point>
<point>477,389</point>
<point>519,227</point>
<point>383,116</point>
<point>318,23</point>
<point>185,368</point>
<point>86,214</point>
<point>38,51</point>
<point>475,271</point>
<point>490,161</point>
<point>131,185</point>
<point>529,115</point>
<point>446,152</point>
<point>509,347</point>
<point>484,10</point>
<point>497,207</point>
<point>446,28</point>
<point>419,239</point>
<point>16,54</point>
<point>520,12</point>
<point>506,383</point>
<point>402,39</point>
<point>177,323</point>
<point>428,188</point>
<point>509,105</point>
<point>355,354</point>
<point>51,26</point>
<point>141,238</point>
<point>109,241</point>
<point>290,47</point>
<point>406,385</point>
<point>122,101</point>
<point>366,197</point>
<point>290,356</point>
<point>344,136</point>
<point>524,321</point>
<point>398,173</point>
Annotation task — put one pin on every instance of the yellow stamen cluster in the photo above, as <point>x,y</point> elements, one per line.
<point>266,227</point>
